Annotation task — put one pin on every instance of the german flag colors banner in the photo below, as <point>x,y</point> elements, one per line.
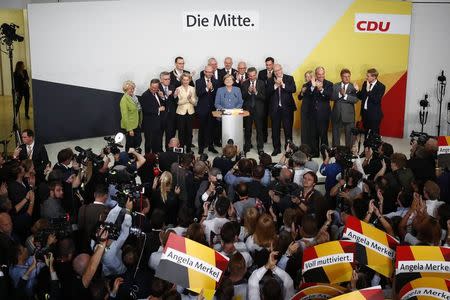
<point>191,265</point>
<point>313,291</point>
<point>372,293</point>
<point>426,288</point>
<point>329,262</point>
<point>413,262</point>
<point>374,248</point>
<point>443,154</point>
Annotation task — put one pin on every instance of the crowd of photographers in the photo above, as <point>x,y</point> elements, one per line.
<point>93,226</point>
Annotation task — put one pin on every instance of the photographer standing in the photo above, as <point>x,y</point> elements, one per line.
<point>165,198</point>
<point>331,171</point>
<point>208,189</point>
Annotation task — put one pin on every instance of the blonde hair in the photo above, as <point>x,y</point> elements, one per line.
<point>166,184</point>
<point>126,85</point>
<point>251,216</point>
<point>265,232</point>
<point>228,76</point>
<point>186,75</point>
<point>309,72</point>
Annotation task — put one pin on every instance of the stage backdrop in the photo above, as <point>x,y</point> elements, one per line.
<point>82,52</point>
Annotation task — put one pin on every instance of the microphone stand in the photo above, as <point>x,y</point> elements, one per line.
<point>423,112</point>
<point>441,85</point>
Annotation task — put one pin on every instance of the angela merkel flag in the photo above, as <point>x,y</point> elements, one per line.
<point>372,293</point>
<point>426,288</point>
<point>319,291</point>
<point>191,265</point>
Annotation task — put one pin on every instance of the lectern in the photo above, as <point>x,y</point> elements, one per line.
<point>232,125</point>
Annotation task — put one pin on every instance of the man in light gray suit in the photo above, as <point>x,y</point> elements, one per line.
<point>343,114</point>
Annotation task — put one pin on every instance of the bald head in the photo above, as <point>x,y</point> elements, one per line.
<point>278,70</point>
<point>174,142</point>
<point>80,263</point>
<point>213,63</point>
<point>5,223</point>
<point>228,62</point>
<point>285,175</point>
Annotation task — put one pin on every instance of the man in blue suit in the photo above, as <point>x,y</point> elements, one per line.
<point>205,88</point>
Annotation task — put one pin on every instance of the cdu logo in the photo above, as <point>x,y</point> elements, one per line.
<point>382,23</point>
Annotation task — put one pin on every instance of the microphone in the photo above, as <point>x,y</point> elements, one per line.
<point>442,77</point>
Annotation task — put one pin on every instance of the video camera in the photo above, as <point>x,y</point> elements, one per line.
<point>420,137</point>
<point>373,141</point>
<point>342,155</point>
<point>291,148</point>
<point>86,155</point>
<point>60,227</point>
<point>10,35</point>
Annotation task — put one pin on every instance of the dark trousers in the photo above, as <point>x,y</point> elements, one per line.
<point>205,131</point>
<point>170,126</point>
<point>133,141</point>
<point>337,125</point>
<point>281,117</point>
<point>371,124</point>
<point>257,116</point>
<point>185,130</point>
<point>322,131</point>
<point>266,119</point>
<point>153,136</point>
<point>309,133</point>
<point>23,94</point>
<point>217,131</point>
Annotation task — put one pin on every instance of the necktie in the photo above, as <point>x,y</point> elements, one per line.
<point>252,103</point>
<point>242,78</point>
<point>29,151</point>
<point>165,91</point>
<point>367,99</point>
<point>159,103</point>
<point>279,96</point>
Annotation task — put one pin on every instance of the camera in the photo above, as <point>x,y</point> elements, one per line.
<point>275,169</point>
<point>219,184</point>
<point>111,146</point>
<point>60,227</point>
<point>291,148</point>
<point>112,228</point>
<point>10,35</point>
<point>86,155</point>
<point>178,150</point>
<point>420,137</point>
<point>203,157</point>
<point>331,151</point>
<point>373,141</point>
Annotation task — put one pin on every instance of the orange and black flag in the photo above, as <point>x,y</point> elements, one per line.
<point>443,154</point>
<point>191,265</point>
<point>413,262</point>
<point>319,291</point>
<point>374,248</point>
<point>329,262</point>
<point>372,293</point>
<point>426,288</point>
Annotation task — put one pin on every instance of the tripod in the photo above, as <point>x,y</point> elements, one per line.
<point>441,84</point>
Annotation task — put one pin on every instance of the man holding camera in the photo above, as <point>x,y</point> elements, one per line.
<point>210,189</point>
<point>171,155</point>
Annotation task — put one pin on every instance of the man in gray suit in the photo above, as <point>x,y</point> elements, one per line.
<point>343,114</point>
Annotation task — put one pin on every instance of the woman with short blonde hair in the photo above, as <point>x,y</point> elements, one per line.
<point>187,99</point>
<point>131,115</point>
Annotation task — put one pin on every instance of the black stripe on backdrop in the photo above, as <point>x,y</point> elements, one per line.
<point>65,112</point>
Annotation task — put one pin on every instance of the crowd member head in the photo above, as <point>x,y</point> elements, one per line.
<point>228,80</point>
<point>309,227</point>
<point>269,63</point>
<point>228,236</point>
<point>165,184</point>
<point>221,207</point>
<point>251,217</point>
<point>209,72</point>
<point>228,63</point>
<point>174,143</point>
<point>244,167</point>
<point>372,75</point>
<point>229,151</point>
<point>56,190</point>
<point>80,263</point>
<point>154,85</point>
<point>278,70</point>
<point>265,232</point>
<point>65,156</point>
<point>308,75</point>
<point>158,219</point>
<point>252,73</point>
<point>164,77</point>
<point>196,233</point>
<point>242,68</point>
<point>200,169</point>
<point>299,159</point>
<point>431,190</point>
<point>27,136</point>
<point>428,231</point>
<point>404,199</point>
<point>212,62</point>
<point>309,180</point>
<point>320,74</point>
<point>213,174</point>
<point>129,87</point>
<point>185,79</point>
<point>237,267</point>
<point>345,76</point>
<point>286,176</point>
<point>6,225</point>
<point>386,149</point>
<point>258,172</point>
<point>101,193</point>
<point>179,63</point>
<point>398,161</point>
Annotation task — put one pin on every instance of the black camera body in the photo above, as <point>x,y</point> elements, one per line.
<point>86,155</point>
<point>10,35</point>
<point>60,227</point>
<point>373,141</point>
<point>111,146</point>
<point>291,148</point>
<point>420,137</point>
<point>112,228</point>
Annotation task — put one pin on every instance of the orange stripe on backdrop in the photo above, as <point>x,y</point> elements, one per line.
<point>342,47</point>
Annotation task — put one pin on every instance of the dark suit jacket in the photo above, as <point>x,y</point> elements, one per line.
<point>150,109</point>
<point>260,97</point>
<point>169,101</point>
<point>222,74</point>
<point>287,100</point>
<point>374,97</point>
<point>174,81</point>
<point>39,157</point>
<point>166,159</point>
<point>344,109</point>
<point>205,103</point>
<point>239,84</point>
<point>262,75</point>
<point>318,103</point>
<point>89,215</point>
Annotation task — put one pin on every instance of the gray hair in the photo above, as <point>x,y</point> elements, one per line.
<point>299,158</point>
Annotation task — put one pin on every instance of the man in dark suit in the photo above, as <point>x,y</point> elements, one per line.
<point>30,149</point>
<point>166,159</point>
<point>166,91</point>
<point>228,69</point>
<point>206,88</point>
<point>282,106</point>
<point>241,74</point>
<point>343,114</point>
<point>371,95</point>
<point>264,75</point>
<point>212,62</point>
<point>254,95</point>
<point>318,92</point>
<point>177,72</point>
<point>152,110</point>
